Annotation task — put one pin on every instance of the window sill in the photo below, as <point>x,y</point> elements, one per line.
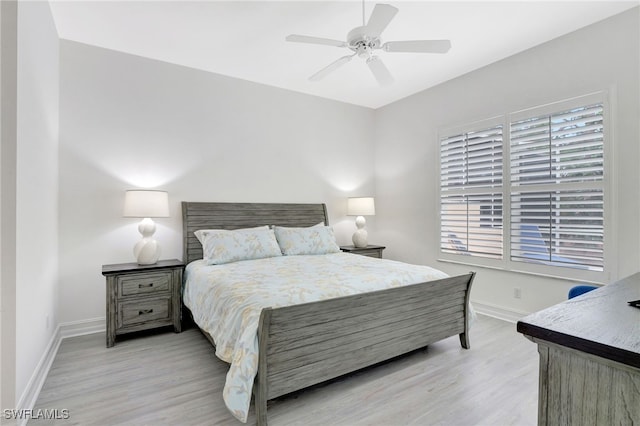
<point>595,278</point>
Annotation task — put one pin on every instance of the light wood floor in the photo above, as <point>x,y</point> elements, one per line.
<point>175,379</point>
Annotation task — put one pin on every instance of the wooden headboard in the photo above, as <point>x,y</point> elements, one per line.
<point>197,215</point>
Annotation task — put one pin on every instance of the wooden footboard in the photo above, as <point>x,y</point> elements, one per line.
<point>303,345</point>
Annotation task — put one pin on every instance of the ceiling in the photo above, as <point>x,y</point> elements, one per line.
<point>246,40</point>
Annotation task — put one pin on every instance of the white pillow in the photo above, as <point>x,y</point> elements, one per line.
<point>221,246</point>
<point>201,233</point>
<point>312,240</point>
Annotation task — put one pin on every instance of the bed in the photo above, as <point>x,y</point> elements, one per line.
<point>309,343</point>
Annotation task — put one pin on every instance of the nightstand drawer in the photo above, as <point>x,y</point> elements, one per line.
<point>139,284</point>
<point>369,251</point>
<point>144,311</point>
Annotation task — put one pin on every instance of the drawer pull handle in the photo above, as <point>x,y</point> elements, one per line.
<point>145,311</point>
<point>145,285</point>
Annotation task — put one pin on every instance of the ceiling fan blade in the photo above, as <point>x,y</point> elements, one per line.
<point>380,17</point>
<point>380,71</point>
<point>330,68</point>
<point>315,40</point>
<point>418,46</point>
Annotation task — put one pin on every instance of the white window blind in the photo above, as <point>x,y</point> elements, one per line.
<point>471,198</point>
<point>557,190</point>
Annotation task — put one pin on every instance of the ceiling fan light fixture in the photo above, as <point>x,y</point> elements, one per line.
<point>363,52</point>
<point>359,36</point>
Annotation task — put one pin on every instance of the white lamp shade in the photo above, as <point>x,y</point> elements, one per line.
<point>361,206</point>
<point>146,203</point>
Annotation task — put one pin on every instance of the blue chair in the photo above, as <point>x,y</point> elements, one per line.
<point>580,289</point>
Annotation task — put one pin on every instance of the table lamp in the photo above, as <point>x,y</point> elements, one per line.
<point>146,204</point>
<point>360,206</point>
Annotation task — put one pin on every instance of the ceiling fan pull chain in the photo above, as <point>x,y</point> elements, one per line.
<point>363,21</point>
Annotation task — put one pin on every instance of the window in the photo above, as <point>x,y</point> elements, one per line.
<point>549,210</point>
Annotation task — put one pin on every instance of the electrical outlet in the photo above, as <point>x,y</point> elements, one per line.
<point>517,293</point>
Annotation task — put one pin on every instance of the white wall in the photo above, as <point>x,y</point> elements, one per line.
<point>37,187</point>
<point>602,56</point>
<point>129,122</point>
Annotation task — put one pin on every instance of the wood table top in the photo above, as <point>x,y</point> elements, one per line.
<point>600,322</point>
<point>131,267</point>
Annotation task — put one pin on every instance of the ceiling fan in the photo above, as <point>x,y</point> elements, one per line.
<point>364,40</point>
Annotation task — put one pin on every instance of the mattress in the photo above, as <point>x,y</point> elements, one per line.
<point>226,301</point>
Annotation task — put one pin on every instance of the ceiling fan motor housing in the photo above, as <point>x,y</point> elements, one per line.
<point>361,42</point>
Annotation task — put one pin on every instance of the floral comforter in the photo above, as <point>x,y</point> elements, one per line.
<point>226,301</point>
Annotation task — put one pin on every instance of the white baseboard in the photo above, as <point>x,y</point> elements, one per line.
<point>499,312</point>
<point>80,328</point>
<point>30,395</point>
<point>69,329</point>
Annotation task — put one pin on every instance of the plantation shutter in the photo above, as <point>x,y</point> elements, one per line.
<point>471,193</point>
<point>557,188</point>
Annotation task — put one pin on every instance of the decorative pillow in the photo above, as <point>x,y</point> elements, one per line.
<point>313,240</point>
<point>222,246</point>
<point>202,233</point>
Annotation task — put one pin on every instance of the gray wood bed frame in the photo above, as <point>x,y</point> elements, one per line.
<point>306,344</point>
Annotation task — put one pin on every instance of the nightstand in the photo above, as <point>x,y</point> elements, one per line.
<point>140,297</point>
<point>370,250</point>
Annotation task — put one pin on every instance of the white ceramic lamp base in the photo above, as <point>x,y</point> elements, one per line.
<point>360,236</point>
<point>147,250</point>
